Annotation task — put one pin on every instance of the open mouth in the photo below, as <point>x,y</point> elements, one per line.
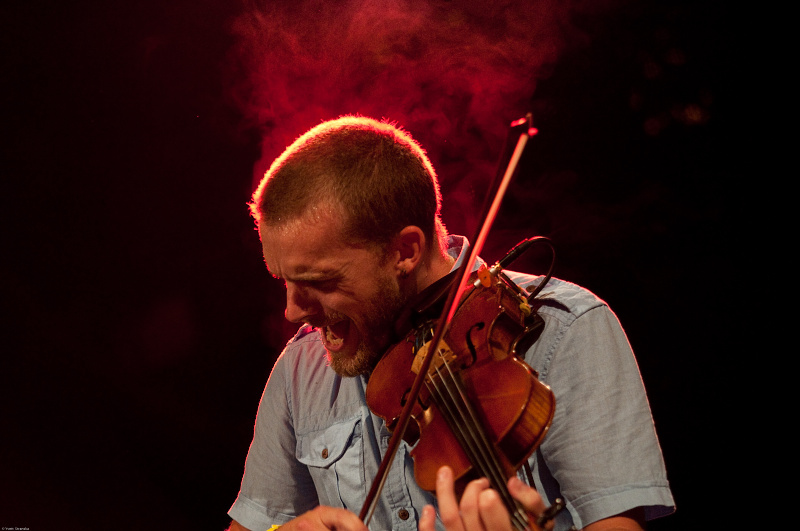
<point>335,334</point>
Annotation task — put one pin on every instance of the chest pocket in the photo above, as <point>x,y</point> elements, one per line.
<point>334,456</point>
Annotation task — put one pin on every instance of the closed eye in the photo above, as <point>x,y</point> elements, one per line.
<point>325,286</point>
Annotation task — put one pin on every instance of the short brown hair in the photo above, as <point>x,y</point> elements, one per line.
<point>379,176</point>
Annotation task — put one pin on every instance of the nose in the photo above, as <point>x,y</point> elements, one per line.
<point>300,305</point>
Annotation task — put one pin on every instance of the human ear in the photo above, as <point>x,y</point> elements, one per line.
<point>408,249</point>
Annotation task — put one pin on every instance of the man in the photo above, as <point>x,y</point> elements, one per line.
<point>348,218</point>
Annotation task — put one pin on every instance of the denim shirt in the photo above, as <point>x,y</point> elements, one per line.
<point>317,443</point>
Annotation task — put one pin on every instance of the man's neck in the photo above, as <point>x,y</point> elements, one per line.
<point>440,265</point>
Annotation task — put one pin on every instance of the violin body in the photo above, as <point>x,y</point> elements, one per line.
<point>480,402</point>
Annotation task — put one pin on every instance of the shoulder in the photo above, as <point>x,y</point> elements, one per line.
<point>574,319</point>
<point>302,363</point>
<point>559,299</point>
<point>316,396</point>
<point>304,353</point>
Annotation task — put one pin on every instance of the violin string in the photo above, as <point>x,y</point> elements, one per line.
<point>490,464</point>
<point>465,430</point>
<point>494,463</point>
<point>473,438</point>
<point>481,451</point>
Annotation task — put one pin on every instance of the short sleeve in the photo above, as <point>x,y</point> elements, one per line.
<point>275,486</point>
<point>602,452</point>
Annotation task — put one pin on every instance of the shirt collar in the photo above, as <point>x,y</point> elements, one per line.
<point>458,248</point>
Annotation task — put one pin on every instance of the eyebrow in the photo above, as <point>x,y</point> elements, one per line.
<point>322,275</point>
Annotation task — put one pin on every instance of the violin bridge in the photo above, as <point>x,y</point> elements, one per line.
<point>443,356</point>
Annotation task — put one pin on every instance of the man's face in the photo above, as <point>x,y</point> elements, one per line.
<point>349,294</point>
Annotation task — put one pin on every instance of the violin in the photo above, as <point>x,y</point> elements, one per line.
<point>454,388</point>
<point>482,410</point>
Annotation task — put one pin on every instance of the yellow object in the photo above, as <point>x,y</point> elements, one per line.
<point>484,276</point>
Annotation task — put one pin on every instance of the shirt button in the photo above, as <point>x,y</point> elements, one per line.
<point>403,514</point>
<point>325,453</point>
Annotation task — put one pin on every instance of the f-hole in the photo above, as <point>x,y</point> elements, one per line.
<point>404,399</point>
<point>471,343</point>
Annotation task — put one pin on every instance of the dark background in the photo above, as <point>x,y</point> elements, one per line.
<point>139,324</point>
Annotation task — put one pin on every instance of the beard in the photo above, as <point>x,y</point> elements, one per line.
<point>376,332</point>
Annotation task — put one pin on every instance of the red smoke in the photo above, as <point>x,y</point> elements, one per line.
<point>454,74</point>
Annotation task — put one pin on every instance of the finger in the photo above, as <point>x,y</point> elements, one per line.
<point>339,519</point>
<point>470,505</point>
<point>526,495</point>
<point>427,521</point>
<point>529,498</point>
<point>448,506</point>
<point>493,512</point>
